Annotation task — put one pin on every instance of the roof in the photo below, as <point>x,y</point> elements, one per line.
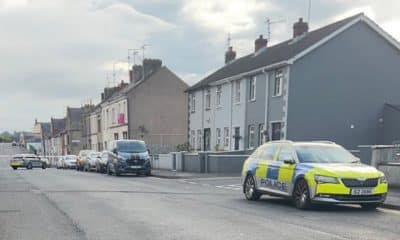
<point>285,51</point>
<point>57,125</point>
<point>161,70</point>
<point>393,106</point>
<point>74,114</point>
<point>46,131</point>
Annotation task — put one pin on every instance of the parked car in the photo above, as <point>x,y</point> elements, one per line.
<point>60,162</point>
<point>128,156</point>
<point>69,162</point>
<point>90,163</point>
<point>312,173</point>
<point>101,162</point>
<point>28,161</point>
<point>81,160</point>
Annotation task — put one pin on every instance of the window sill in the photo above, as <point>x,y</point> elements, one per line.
<point>208,109</point>
<point>277,96</point>
<point>237,103</point>
<point>252,100</point>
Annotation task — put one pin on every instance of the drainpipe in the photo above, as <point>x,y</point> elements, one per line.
<point>230,115</point>
<point>266,100</point>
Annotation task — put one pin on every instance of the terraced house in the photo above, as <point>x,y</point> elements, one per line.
<point>331,83</point>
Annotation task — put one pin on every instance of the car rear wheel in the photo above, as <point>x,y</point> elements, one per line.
<point>249,189</point>
<point>370,206</point>
<point>301,195</point>
<point>15,168</point>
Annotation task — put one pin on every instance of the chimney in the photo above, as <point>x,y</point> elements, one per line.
<point>230,55</point>
<point>299,28</point>
<point>259,43</point>
<point>137,72</point>
<point>151,66</point>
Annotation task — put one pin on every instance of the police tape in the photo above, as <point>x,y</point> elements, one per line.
<point>41,156</point>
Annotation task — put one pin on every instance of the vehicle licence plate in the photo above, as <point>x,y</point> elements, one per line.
<point>362,191</point>
<point>136,167</point>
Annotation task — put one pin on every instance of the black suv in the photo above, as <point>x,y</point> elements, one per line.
<point>128,156</point>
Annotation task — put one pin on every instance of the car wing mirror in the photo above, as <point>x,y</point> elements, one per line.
<point>289,161</point>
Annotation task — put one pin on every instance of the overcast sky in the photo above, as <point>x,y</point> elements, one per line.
<point>58,53</point>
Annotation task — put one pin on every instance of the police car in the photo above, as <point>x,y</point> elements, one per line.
<point>310,173</point>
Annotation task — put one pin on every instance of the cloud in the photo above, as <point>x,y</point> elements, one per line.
<point>56,53</point>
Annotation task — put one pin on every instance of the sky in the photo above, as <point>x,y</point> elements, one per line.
<point>59,53</point>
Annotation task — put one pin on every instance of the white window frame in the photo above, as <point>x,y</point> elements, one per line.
<point>278,82</point>
<point>261,136</point>
<point>192,103</point>
<point>252,88</point>
<point>218,136</point>
<point>208,99</point>
<point>193,139</point>
<point>113,115</point>
<point>219,96</point>
<point>199,140</point>
<point>237,91</point>
<point>251,136</point>
<point>226,137</point>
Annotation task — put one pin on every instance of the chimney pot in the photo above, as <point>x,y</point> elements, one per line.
<point>259,43</point>
<point>230,55</point>
<point>299,28</point>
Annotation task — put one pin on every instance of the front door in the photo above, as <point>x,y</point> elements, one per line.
<point>237,138</point>
<point>207,138</point>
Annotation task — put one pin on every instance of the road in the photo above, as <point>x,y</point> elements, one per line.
<point>66,204</point>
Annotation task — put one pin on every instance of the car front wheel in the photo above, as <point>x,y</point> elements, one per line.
<point>250,190</point>
<point>15,168</point>
<point>301,195</point>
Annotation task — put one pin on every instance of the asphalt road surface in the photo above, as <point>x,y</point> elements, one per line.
<point>66,204</point>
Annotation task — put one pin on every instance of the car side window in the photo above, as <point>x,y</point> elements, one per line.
<point>267,152</point>
<point>286,153</point>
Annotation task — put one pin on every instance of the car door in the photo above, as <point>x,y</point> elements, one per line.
<point>286,170</point>
<point>265,169</point>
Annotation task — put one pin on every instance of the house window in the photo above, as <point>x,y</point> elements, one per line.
<point>278,83</point>
<point>107,119</point>
<point>199,140</point>
<point>252,89</point>
<point>261,138</point>
<point>218,136</point>
<point>193,103</point>
<point>125,135</point>
<point>252,136</point>
<point>219,92</point>
<point>237,91</point>
<point>276,129</point>
<point>226,137</point>
<point>115,136</point>
<point>208,99</point>
<point>113,115</point>
<point>192,139</point>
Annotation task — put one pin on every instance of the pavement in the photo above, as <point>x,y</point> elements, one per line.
<point>65,204</point>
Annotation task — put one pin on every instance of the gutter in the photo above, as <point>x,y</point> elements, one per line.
<point>252,72</point>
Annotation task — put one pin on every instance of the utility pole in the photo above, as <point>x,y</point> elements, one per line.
<point>269,23</point>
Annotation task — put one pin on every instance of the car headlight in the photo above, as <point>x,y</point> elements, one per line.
<point>325,179</point>
<point>383,179</point>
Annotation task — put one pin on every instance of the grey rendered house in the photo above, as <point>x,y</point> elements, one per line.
<point>331,83</point>
<point>157,107</point>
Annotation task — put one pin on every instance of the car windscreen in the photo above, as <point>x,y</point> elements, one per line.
<point>323,154</point>
<point>71,158</point>
<point>131,147</point>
